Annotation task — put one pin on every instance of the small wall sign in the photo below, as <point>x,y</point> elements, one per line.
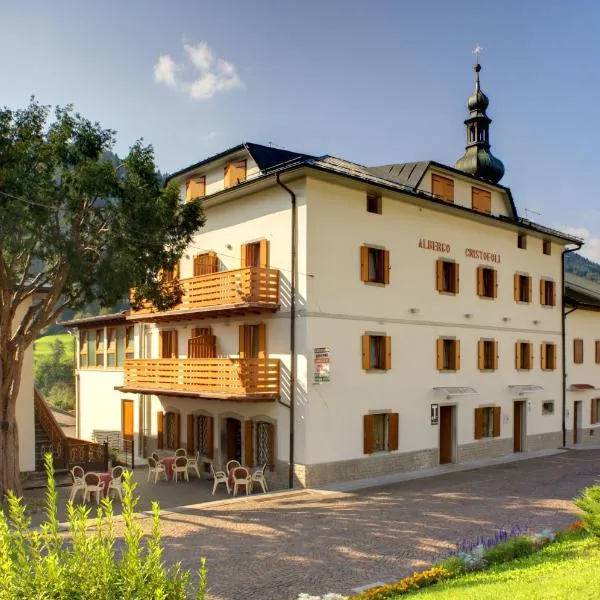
<point>321,372</point>
<point>435,414</point>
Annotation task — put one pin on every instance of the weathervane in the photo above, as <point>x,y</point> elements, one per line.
<point>477,51</point>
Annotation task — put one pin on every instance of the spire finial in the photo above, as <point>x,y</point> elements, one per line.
<point>477,51</point>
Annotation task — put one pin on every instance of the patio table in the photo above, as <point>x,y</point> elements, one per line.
<point>240,485</point>
<point>107,478</point>
<point>168,462</point>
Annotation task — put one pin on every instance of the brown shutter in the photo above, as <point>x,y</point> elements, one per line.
<point>578,351</point>
<point>457,355</point>
<point>386,266</point>
<point>553,293</point>
<point>478,423</point>
<point>530,355</point>
<point>271,439</point>
<point>542,295</point>
<point>495,355</point>
<point>517,280</point>
<point>456,278</point>
<point>494,283</point>
<point>594,414</point>
<point>244,256</point>
<point>364,263</point>
<point>248,444</point>
<point>210,441</point>
<point>440,354</point>
<point>481,200</point>
<point>368,434</point>
<point>177,419</point>
<point>530,292</point>
<point>366,347</point>
<point>393,427</point>
<point>160,437</point>
<point>439,271</point>
<point>388,352</point>
<point>480,289</point>
<point>543,357</point>
<point>190,434</point>
<point>264,253</point>
<point>480,355</point>
<point>174,344</point>
<point>496,432</point>
<point>243,336</point>
<point>517,355</point>
<point>598,352</point>
<point>262,341</point>
<point>160,344</point>
<point>227,176</point>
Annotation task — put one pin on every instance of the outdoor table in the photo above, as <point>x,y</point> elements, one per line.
<point>240,485</point>
<point>107,478</point>
<point>168,462</point>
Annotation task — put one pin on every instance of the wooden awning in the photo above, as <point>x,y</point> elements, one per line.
<point>577,387</point>
<point>251,397</point>
<point>525,388</point>
<point>450,391</point>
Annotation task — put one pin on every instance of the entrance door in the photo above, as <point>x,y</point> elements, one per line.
<point>446,434</point>
<point>577,422</point>
<point>233,442</point>
<point>127,422</point>
<point>519,426</point>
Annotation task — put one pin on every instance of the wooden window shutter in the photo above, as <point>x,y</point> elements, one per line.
<point>177,419</point>
<point>517,280</point>
<point>530,287</point>
<point>542,295</point>
<point>543,356</point>
<point>366,348</point>
<point>262,341</point>
<point>190,434</point>
<point>594,413</point>
<point>264,254</point>
<point>578,351</point>
<point>160,436</point>
<point>494,283</point>
<point>480,355</point>
<point>386,266</point>
<point>243,337</point>
<point>174,344</point>
<point>518,355</point>
<point>248,444</point>
<point>271,428</point>
<point>497,413</point>
<point>495,355</point>
<point>456,278</point>
<point>481,200</point>
<point>530,355</point>
<point>244,256</point>
<point>440,354</point>
<point>439,279</point>
<point>160,344</point>
<point>227,175</point>
<point>553,294</point>
<point>388,352</point>
<point>457,355</point>
<point>480,289</point>
<point>478,423</point>
<point>364,263</point>
<point>393,429</point>
<point>442,187</point>
<point>598,352</point>
<point>210,441</point>
<point>368,434</point>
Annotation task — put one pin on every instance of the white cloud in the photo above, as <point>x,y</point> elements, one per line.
<point>210,135</point>
<point>212,74</point>
<point>591,248</point>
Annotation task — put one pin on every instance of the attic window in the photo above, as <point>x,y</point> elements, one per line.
<point>522,241</point>
<point>374,204</point>
<point>547,247</point>
<point>235,172</point>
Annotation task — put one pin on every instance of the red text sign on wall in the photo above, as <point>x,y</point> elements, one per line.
<point>482,255</point>
<point>434,245</point>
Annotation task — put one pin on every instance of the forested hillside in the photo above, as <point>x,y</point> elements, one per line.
<point>581,266</point>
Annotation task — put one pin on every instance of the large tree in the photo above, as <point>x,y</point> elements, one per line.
<point>74,228</point>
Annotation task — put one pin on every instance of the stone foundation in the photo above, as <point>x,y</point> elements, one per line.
<point>544,441</point>
<point>485,448</point>
<point>590,436</point>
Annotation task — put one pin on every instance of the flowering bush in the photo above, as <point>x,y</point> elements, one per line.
<point>406,585</point>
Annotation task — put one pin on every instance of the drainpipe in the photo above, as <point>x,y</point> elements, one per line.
<point>564,344</point>
<point>294,226</point>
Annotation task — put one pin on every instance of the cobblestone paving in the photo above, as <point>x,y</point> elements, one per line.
<point>274,548</point>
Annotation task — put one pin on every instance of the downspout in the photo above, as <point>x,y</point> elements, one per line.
<point>564,344</point>
<point>294,266</point>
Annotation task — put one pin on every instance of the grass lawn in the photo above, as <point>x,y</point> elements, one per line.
<point>43,346</point>
<point>565,570</point>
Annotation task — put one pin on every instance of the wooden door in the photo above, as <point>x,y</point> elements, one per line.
<point>518,426</point>
<point>127,420</point>
<point>576,421</point>
<point>234,440</point>
<point>446,434</point>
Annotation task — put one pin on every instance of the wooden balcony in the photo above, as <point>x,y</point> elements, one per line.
<point>239,379</point>
<point>241,291</point>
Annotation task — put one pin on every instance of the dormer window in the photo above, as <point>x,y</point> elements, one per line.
<point>442,187</point>
<point>481,200</point>
<point>235,172</point>
<point>195,188</point>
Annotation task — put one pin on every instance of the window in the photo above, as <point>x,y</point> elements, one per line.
<point>83,349</point>
<point>195,188</point>
<point>522,288</point>
<point>111,347</point>
<point>376,352</point>
<point>255,254</point>
<point>448,354</point>
<point>447,276</point>
<point>235,173</point>
<point>129,342</point>
<point>578,351</point>
<point>121,346</point>
<point>595,411</point>
<point>374,204</point>
<point>547,247</point>
<point>380,432</point>
<point>524,356</point>
<point>253,341</point>
<point>442,187</point>
<point>99,347</point>
<point>205,263</point>
<point>91,348</point>
<point>547,292</point>
<point>374,265</point>
<point>548,356</point>
<point>522,241</point>
<point>481,200</point>
<point>548,407</point>
<point>204,435</point>
<point>169,275</point>
<point>168,430</point>
<point>487,354</point>
<point>486,282</point>
<point>168,343</point>
<point>597,348</point>
<point>487,422</point>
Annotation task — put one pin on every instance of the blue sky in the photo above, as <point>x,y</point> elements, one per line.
<point>372,82</point>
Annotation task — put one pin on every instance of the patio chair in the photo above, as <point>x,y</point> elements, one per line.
<point>219,477</point>
<point>180,452</point>
<point>93,485</point>
<point>258,477</point>
<point>180,466</point>
<point>155,469</point>
<point>155,456</point>
<point>78,475</point>
<point>232,464</point>
<point>116,483</point>
<point>241,476</point>
<point>193,464</point>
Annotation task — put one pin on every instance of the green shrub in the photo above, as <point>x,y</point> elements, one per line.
<point>453,565</point>
<point>589,503</point>
<point>510,549</point>
<point>87,564</point>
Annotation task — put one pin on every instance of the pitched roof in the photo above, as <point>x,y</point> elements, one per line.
<point>581,292</point>
<point>403,173</point>
<point>97,319</point>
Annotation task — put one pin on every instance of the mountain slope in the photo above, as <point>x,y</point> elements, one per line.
<point>581,266</point>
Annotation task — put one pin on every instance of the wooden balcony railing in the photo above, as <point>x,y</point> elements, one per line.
<point>241,378</point>
<point>228,289</point>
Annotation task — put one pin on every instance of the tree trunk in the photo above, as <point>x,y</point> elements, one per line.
<point>10,478</point>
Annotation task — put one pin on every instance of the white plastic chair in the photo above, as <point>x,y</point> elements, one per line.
<point>241,476</point>
<point>181,452</point>
<point>116,483</point>
<point>232,464</point>
<point>193,464</point>
<point>78,475</point>
<point>180,466</point>
<point>93,485</point>
<point>258,477</point>
<point>156,469</point>
<point>219,477</point>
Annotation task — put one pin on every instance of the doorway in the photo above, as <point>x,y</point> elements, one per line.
<point>577,422</point>
<point>233,439</point>
<point>127,423</point>
<point>519,426</point>
<point>447,427</point>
